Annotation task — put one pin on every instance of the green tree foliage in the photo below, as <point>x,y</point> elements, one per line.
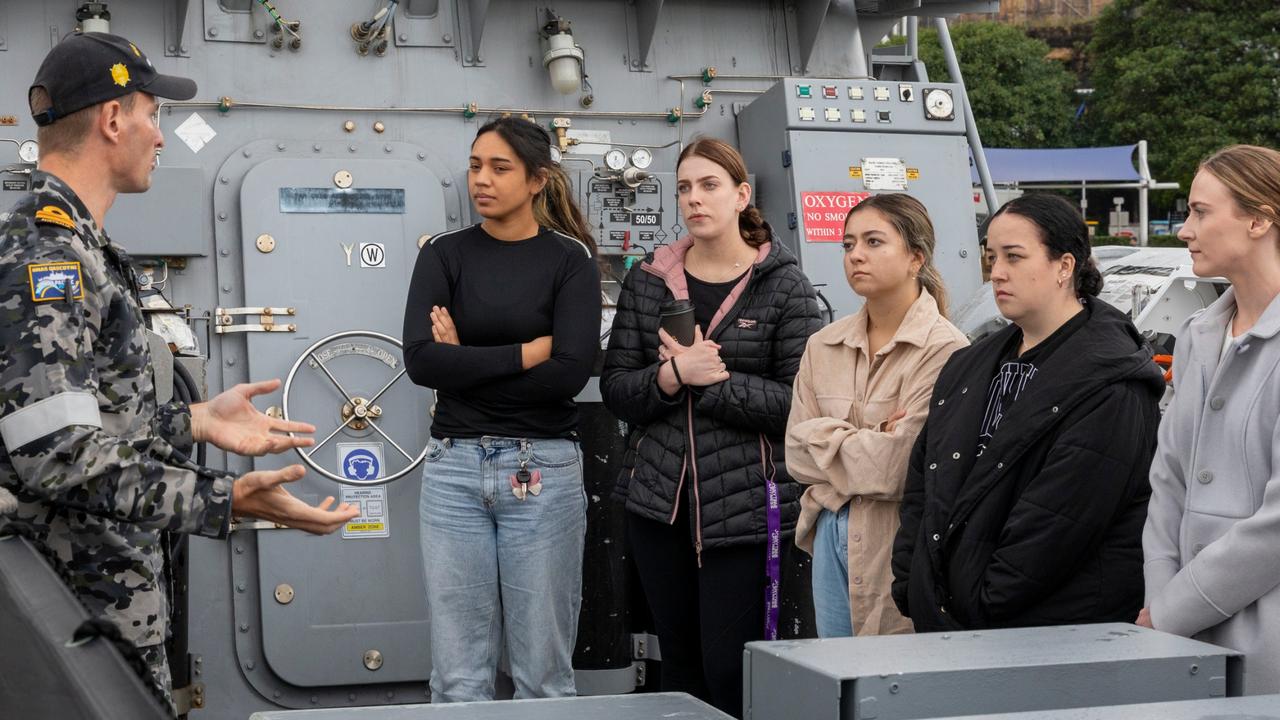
<point>1188,76</point>
<point>1020,98</point>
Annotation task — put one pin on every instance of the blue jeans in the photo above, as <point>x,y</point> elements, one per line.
<point>498,568</point>
<point>831,574</point>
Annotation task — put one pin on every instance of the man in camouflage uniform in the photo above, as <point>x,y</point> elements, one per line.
<point>92,459</point>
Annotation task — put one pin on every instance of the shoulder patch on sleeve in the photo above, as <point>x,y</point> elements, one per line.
<point>55,281</point>
<point>54,215</point>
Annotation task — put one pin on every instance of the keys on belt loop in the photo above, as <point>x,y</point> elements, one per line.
<point>525,481</point>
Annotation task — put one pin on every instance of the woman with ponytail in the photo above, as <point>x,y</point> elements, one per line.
<point>704,482</point>
<point>1213,525</point>
<point>1027,488</point>
<point>860,398</point>
<point>503,321</point>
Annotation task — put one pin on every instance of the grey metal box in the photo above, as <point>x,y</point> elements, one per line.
<point>169,220</point>
<point>814,154</point>
<point>1254,707</point>
<point>613,707</point>
<point>932,675</point>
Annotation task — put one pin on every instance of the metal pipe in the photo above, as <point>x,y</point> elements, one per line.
<point>1094,186</point>
<point>634,114</point>
<point>760,77</point>
<point>913,37</point>
<point>728,91</point>
<point>614,143</point>
<point>971,129</point>
<point>1143,209</point>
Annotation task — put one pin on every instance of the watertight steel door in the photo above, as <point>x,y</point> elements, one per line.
<point>335,239</point>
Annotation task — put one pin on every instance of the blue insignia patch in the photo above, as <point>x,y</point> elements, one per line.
<point>55,281</point>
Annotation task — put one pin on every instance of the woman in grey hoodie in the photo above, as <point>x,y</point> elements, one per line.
<point>1212,566</point>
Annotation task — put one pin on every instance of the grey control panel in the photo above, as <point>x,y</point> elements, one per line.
<point>882,105</point>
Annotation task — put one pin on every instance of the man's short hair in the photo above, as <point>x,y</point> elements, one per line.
<point>67,134</point>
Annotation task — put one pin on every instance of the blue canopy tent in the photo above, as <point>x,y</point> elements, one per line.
<point>1120,167</point>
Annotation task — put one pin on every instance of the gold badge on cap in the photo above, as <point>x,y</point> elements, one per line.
<point>120,74</point>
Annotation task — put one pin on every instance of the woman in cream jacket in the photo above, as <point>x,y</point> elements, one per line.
<point>860,398</point>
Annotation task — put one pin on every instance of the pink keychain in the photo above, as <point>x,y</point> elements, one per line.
<point>525,482</point>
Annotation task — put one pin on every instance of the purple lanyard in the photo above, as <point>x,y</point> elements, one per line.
<point>773,556</point>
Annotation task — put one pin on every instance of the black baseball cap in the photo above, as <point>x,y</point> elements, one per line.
<point>88,68</point>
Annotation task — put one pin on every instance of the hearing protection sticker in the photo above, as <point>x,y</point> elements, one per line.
<point>363,461</point>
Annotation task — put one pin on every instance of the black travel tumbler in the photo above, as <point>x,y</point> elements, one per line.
<point>676,317</point>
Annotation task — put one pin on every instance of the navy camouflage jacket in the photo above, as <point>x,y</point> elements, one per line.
<point>84,446</point>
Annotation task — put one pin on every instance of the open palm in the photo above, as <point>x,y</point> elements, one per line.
<point>231,422</point>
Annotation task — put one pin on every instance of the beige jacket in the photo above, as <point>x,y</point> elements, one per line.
<point>836,442</point>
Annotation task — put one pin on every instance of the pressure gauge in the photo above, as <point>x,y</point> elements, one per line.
<point>29,151</point>
<point>556,155</point>
<point>642,158</point>
<point>615,159</point>
<point>938,104</point>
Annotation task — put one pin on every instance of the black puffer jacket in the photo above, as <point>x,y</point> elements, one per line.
<point>1045,527</point>
<point>712,445</point>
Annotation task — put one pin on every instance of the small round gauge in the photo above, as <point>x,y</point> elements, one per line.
<point>29,151</point>
<point>939,104</point>
<point>615,159</point>
<point>556,155</point>
<point>642,158</point>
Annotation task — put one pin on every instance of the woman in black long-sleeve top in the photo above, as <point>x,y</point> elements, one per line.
<point>706,488</point>
<point>503,320</point>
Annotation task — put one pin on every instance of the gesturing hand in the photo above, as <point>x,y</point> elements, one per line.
<point>442,328</point>
<point>231,422</point>
<point>698,364</point>
<point>1144,619</point>
<point>261,495</point>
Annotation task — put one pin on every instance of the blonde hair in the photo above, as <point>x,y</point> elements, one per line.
<point>67,134</point>
<point>910,218</point>
<point>1252,176</point>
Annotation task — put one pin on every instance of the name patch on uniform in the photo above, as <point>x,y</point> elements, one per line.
<point>55,281</point>
<point>54,215</point>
